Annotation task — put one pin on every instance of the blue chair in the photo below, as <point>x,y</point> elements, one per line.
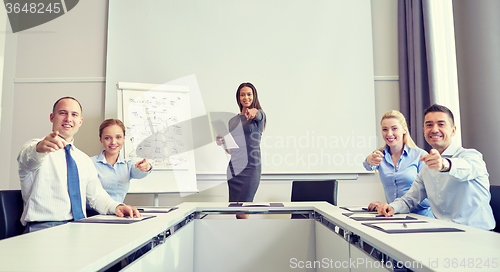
<point>11,209</point>
<point>495,205</point>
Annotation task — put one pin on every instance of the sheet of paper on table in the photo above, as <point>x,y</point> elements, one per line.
<point>419,225</point>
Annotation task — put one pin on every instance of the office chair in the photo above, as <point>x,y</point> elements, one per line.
<point>495,205</point>
<point>314,190</point>
<point>11,209</point>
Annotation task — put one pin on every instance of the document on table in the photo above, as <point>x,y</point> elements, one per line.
<point>410,227</point>
<point>150,209</point>
<point>376,216</point>
<point>356,208</point>
<point>107,218</point>
<point>256,205</point>
<point>360,214</point>
<point>220,129</point>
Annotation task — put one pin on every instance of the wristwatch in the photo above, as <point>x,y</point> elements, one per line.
<point>446,165</point>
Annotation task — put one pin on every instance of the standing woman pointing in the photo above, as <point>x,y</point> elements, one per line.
<point>244,169</point>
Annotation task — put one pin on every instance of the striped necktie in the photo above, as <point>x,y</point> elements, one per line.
<point>73,186</point>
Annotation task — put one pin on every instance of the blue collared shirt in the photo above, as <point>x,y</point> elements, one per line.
<point>116,179</point>
<point>398,180</point>
<point>461,195</point>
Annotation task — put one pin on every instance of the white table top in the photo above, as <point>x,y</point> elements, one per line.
<point>92,246</point>
<point>438,251</point>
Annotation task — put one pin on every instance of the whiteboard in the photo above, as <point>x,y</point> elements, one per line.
<point>311,62</point>
<point>156,118</point>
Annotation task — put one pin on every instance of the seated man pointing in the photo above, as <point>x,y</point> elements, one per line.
<point>454,179</point>
<point>57,179</point>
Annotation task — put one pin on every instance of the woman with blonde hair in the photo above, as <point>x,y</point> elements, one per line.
<point>398,161</point>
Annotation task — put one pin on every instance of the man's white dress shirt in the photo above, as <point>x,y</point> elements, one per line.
<point>44,184</point>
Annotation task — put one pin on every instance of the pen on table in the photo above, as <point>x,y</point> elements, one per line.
<point>404,225</point>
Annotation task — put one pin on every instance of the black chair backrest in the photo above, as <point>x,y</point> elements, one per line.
<point>11,209</point>
<point>91,212</point>
<point>495,205</point>
<point>315,190</point>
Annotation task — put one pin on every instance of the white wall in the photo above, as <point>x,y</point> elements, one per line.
<point>293,51</point>
<point>73,48</point>
<point>64,57</point>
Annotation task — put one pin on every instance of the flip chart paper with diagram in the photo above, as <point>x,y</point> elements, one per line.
<point>159,127</point>
<point>156,129</point>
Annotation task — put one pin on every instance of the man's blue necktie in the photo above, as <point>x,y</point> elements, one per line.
<point>73,186</point>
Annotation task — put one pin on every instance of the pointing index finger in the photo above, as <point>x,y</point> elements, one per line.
<point>54,139</point>
<point>54,134</point>
<point>139,163</point>
<point>434,152</point>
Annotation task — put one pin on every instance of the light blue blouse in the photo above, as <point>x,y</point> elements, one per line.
<point>397,181</point>
<point>116,180</point>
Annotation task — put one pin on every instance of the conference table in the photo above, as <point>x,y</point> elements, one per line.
<point>206,236</point>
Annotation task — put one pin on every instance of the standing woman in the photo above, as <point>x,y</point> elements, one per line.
<point>244,169</point>
<point>398,161</point>
<point>114,172</point>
